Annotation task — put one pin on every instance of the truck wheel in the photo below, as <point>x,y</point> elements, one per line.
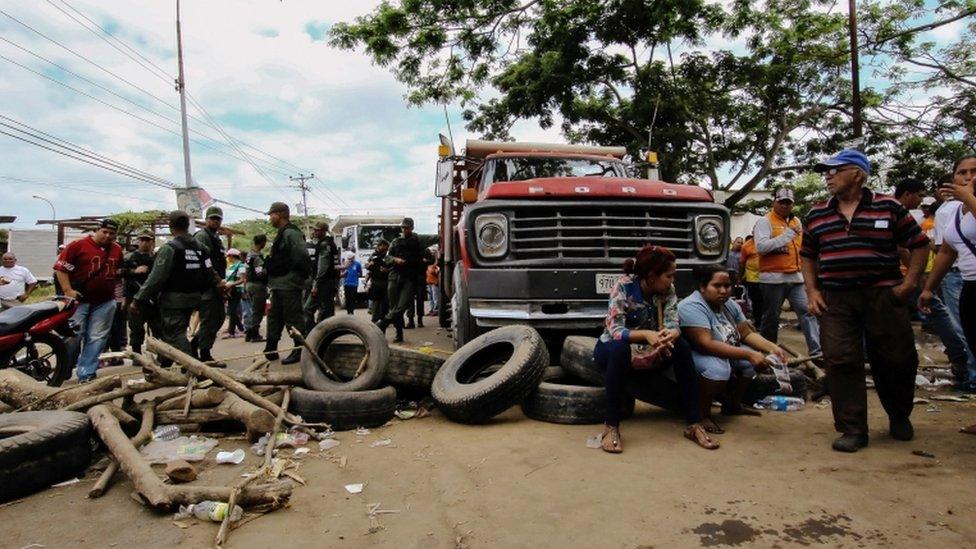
<point>38,449</point>
<point>444,306</point>
<point>560,399</point>
<point>407,367</point>
<point>463,326</point>
<point>330,329</point>
<point>466,398</point>
<point>344,410</point>
<point>576,359</point>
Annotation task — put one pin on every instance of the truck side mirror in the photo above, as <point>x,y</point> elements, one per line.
<point>444,180</point>
<point>469,195</point>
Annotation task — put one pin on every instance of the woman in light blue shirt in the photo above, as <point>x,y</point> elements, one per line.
<point>722,341</point>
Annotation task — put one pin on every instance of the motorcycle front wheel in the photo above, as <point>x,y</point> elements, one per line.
<point>44,357</point>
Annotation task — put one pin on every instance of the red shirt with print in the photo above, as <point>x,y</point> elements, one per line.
<point>93,269</point>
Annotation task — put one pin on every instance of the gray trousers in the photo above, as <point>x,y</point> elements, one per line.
<point>773,297</point>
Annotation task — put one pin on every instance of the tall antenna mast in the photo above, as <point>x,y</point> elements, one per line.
<point>181,87</point>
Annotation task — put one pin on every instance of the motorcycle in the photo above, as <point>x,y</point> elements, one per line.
<point>38,340</point>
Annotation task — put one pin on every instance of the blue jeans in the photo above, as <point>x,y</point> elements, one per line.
<point>94,323</point>
<point>951,289</point>
<point>773,297</point>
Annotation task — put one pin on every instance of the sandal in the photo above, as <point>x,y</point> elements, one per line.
<point>612,445</point>
<point>714,428</point>
<point>696,433</point>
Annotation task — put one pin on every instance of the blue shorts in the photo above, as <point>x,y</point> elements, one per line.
<point>714,368</point>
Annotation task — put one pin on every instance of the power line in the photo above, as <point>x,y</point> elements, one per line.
<point>76,149</point>
<point>143,61</point>
<point>80,189</point>
<point>140,89</point>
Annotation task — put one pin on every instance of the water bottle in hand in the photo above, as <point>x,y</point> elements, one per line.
<point>782,403</point>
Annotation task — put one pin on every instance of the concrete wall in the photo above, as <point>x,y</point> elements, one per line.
<point>36,249</point>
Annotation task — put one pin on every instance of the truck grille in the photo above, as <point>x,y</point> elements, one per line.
<point>595,232</point>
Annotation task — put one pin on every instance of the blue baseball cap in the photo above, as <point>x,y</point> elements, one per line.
<point>845,157</point>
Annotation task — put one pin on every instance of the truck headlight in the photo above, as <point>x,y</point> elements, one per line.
<point>709,235</point>
<point>491,233</point>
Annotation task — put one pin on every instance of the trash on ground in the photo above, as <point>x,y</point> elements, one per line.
<point>191,448</point>
<point>214,511</point>
<point>68,482</point>
<point>824,403</point>
<point>236,457</point>
<point>328,444</point>
<point>919,400</point>
<point>594,441</point>
<point>950,398</point>
<point>300,452</point>
<point>166,432</point>
<point>923,453</point>
<point>355,488</point>
<point>362,431</point>
<point>781,403</point>
<point>381,443</point>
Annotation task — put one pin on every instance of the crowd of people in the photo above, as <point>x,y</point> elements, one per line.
<point>854,271</point>
<point>186,290</point>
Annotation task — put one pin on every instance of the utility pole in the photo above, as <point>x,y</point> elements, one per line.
<point>181,87</point>
<point>303,186</point>
<point>855,70</point>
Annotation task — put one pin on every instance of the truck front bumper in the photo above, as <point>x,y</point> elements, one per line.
<point>544,298</point>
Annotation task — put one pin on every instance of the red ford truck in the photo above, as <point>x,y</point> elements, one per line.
<point>535,233</point>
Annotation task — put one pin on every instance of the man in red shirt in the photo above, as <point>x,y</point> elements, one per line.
<point>87,270</point>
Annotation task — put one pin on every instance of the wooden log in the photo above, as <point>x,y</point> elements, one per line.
<point>140,438</point>
<point>164,497</point>
<point>217,376</point>
<point>256,421</point>
<point>24,392</point>
<point>128,390</point>
<point>287,375</point>
<point>201,398</point>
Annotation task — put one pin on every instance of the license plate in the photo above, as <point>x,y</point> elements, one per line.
<point>605,282</point>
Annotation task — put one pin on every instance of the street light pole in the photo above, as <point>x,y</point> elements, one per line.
<point>54,215</point>
<point>855,70</point>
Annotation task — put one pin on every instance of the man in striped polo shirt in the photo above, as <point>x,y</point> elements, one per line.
<point>853,282</point>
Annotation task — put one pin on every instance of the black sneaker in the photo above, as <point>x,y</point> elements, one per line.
<point>901,429</point>
<point>850,443</point>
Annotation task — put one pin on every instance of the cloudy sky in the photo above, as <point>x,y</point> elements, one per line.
<point>261,68</point>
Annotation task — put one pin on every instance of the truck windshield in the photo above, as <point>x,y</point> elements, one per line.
<point>369,236</point>
<point>522,168</point>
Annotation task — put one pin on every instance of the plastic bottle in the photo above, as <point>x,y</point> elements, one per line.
<point>782,403</point>
<point>214,511</point>
<point>166,432</point>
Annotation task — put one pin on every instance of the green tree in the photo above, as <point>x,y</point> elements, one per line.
<point>132,222</point>
<point>608,71</point>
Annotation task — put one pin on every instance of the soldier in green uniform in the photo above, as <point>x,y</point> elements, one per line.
<point>324,256</point>
<point>256,288</point>
<point>405,257</point>
<point>135,272</point>
<point>180,276</point>
<point>288,269</point>
<point>212,312</point>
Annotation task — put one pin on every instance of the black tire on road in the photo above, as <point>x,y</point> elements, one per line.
<point>559,400</point>
<point>464,328</point>
<point>38,449</point>
<point>407,367</point>
<point>465,398</point>
<point>327,331</point>
<point>576,359</point>
<point>344,410</point>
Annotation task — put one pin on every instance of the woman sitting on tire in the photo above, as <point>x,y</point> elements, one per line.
<point>643,310</point>
<point>722,342</point>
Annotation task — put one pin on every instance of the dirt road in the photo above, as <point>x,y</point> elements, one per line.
<point>521,483</point>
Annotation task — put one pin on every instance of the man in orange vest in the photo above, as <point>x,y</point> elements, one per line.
<point>778,237</point>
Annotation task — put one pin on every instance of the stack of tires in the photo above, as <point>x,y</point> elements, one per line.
<point>369,375</point>
<point>510,366</point>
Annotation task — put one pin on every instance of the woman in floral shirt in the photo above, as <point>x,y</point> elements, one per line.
<point>643,310</point>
